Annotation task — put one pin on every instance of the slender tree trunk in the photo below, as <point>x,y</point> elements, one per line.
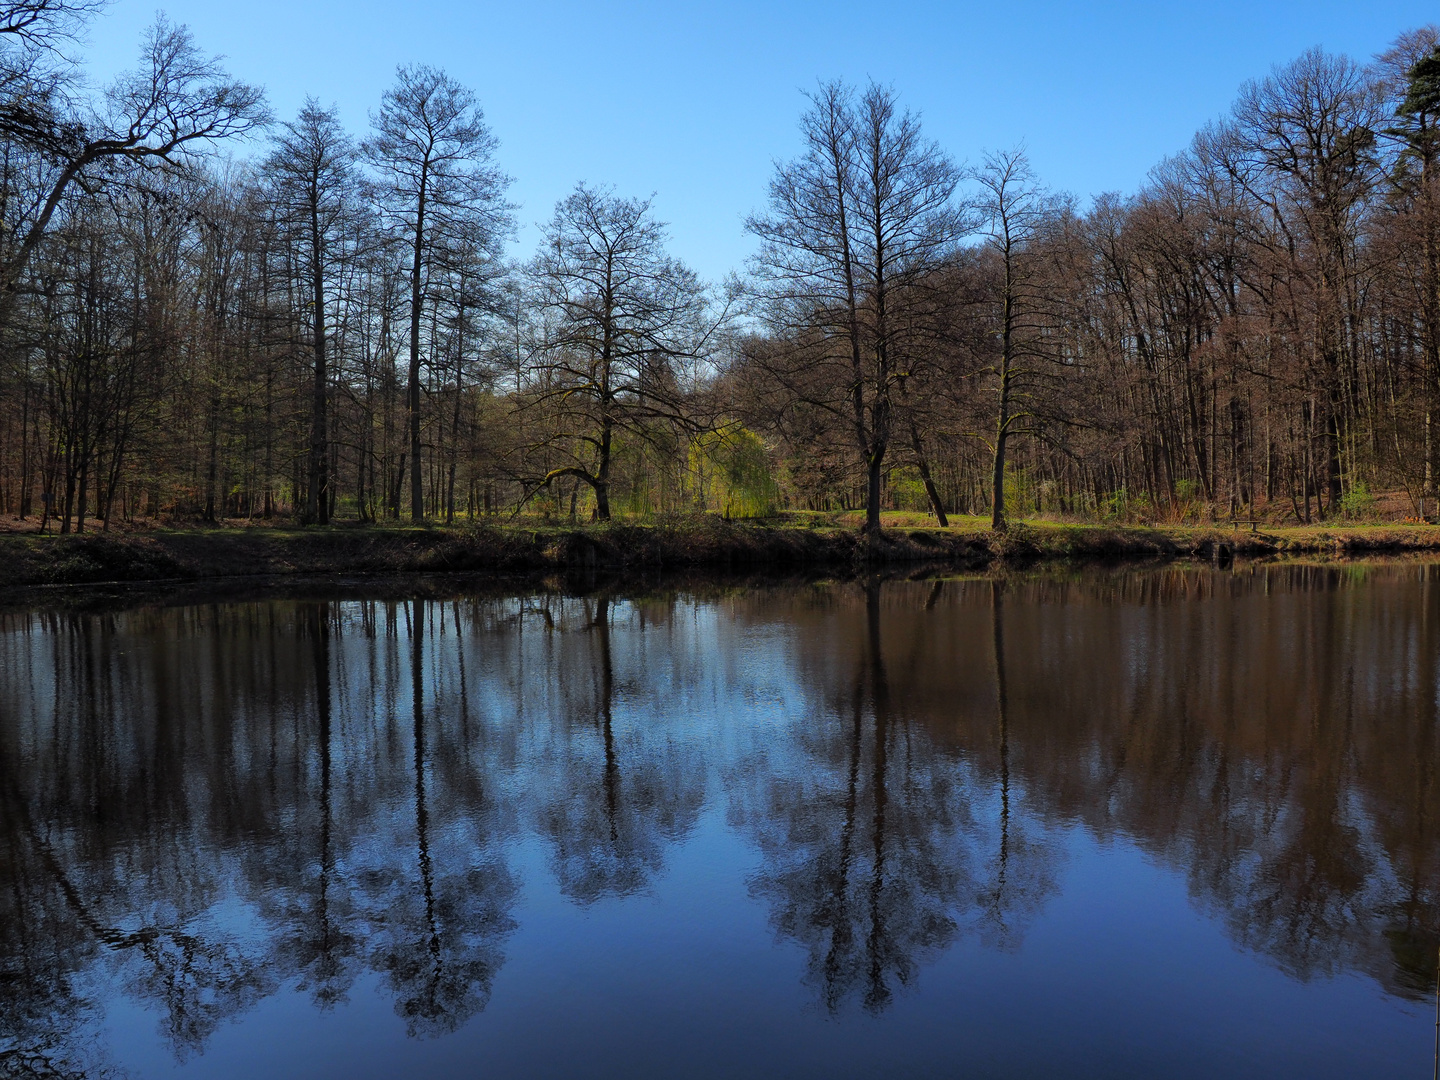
<point>69,505</point>
<point>1002,420</point>
<point>267,510</point>
<point>25,449</point>
<point>455,426</point>
<point>602,474</point>
<point>212,464</point>
<point>317,501</point>
<point>1428,491</point>
<point>399,486</point>
<point>417,483</point>
<point>1309,454</point>
<point>82,484</point>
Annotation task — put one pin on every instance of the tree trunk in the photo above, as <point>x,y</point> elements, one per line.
<point>317,503</point>
<point>399,486</point>
<point>872,491</point>
<point>923,464</point>
<point>212,463</point>
<point>25,450</point>
<point>1002,422</point>
<point>602,474</point>
<point>417,485</point>
<point>82,485</point>
<point>455,431</point>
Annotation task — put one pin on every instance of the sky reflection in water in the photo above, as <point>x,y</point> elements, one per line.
<point>1162,822</point>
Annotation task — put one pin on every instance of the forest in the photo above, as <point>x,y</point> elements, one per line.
<point>210,313</point>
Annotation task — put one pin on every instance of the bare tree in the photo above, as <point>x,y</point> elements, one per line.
<point>38,80</point>
<point>314,182</point>
<point>855,229</point>
<point>620,323</point>
<point>1409,72</point>
<point>45,24</point>
<point>1302,143</point>
<point>177,101</point>
<point>1015,212</point>
<point>433,153</point>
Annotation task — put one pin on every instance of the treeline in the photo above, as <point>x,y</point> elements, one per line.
<point>331,328</point>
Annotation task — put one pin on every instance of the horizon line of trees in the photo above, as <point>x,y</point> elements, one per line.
<point>333,329</point>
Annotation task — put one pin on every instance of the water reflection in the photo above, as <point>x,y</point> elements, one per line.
<point>204,804</point>
<point>612,803</point>
<point>880,844</point>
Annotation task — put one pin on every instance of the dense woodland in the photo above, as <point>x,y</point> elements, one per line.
<point>208,312</point>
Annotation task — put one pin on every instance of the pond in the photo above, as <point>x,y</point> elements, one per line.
<point>1175,821</point>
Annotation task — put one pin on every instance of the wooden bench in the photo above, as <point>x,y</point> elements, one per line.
<point>1254,524</point>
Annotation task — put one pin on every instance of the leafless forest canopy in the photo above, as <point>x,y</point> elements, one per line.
<point>210,312</point>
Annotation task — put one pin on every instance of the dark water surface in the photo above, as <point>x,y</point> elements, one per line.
<point>1150,823</point>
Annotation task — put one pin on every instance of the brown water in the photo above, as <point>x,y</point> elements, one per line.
<point>1175,822</point>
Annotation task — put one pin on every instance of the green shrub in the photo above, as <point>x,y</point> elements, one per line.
<point>1357,502</point>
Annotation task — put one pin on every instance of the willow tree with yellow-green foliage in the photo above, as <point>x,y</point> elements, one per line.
<point>731,473</point>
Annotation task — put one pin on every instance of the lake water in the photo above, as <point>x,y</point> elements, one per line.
<point>1175,822</point>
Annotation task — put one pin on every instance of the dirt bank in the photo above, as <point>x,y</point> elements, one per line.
<point>699,543</point>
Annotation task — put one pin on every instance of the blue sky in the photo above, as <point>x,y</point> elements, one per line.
<point>694,101</point>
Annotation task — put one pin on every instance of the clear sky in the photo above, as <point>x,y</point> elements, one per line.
<point>693,101</point>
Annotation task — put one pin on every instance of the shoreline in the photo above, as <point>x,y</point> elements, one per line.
<point>185,556</point>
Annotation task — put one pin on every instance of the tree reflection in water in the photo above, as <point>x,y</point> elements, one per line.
<point>319,934</point>
<point>617,799</point>
<point>206,804</point>
<point>880,846</point>
<point>1022,871</point>
<point>438,940</point>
